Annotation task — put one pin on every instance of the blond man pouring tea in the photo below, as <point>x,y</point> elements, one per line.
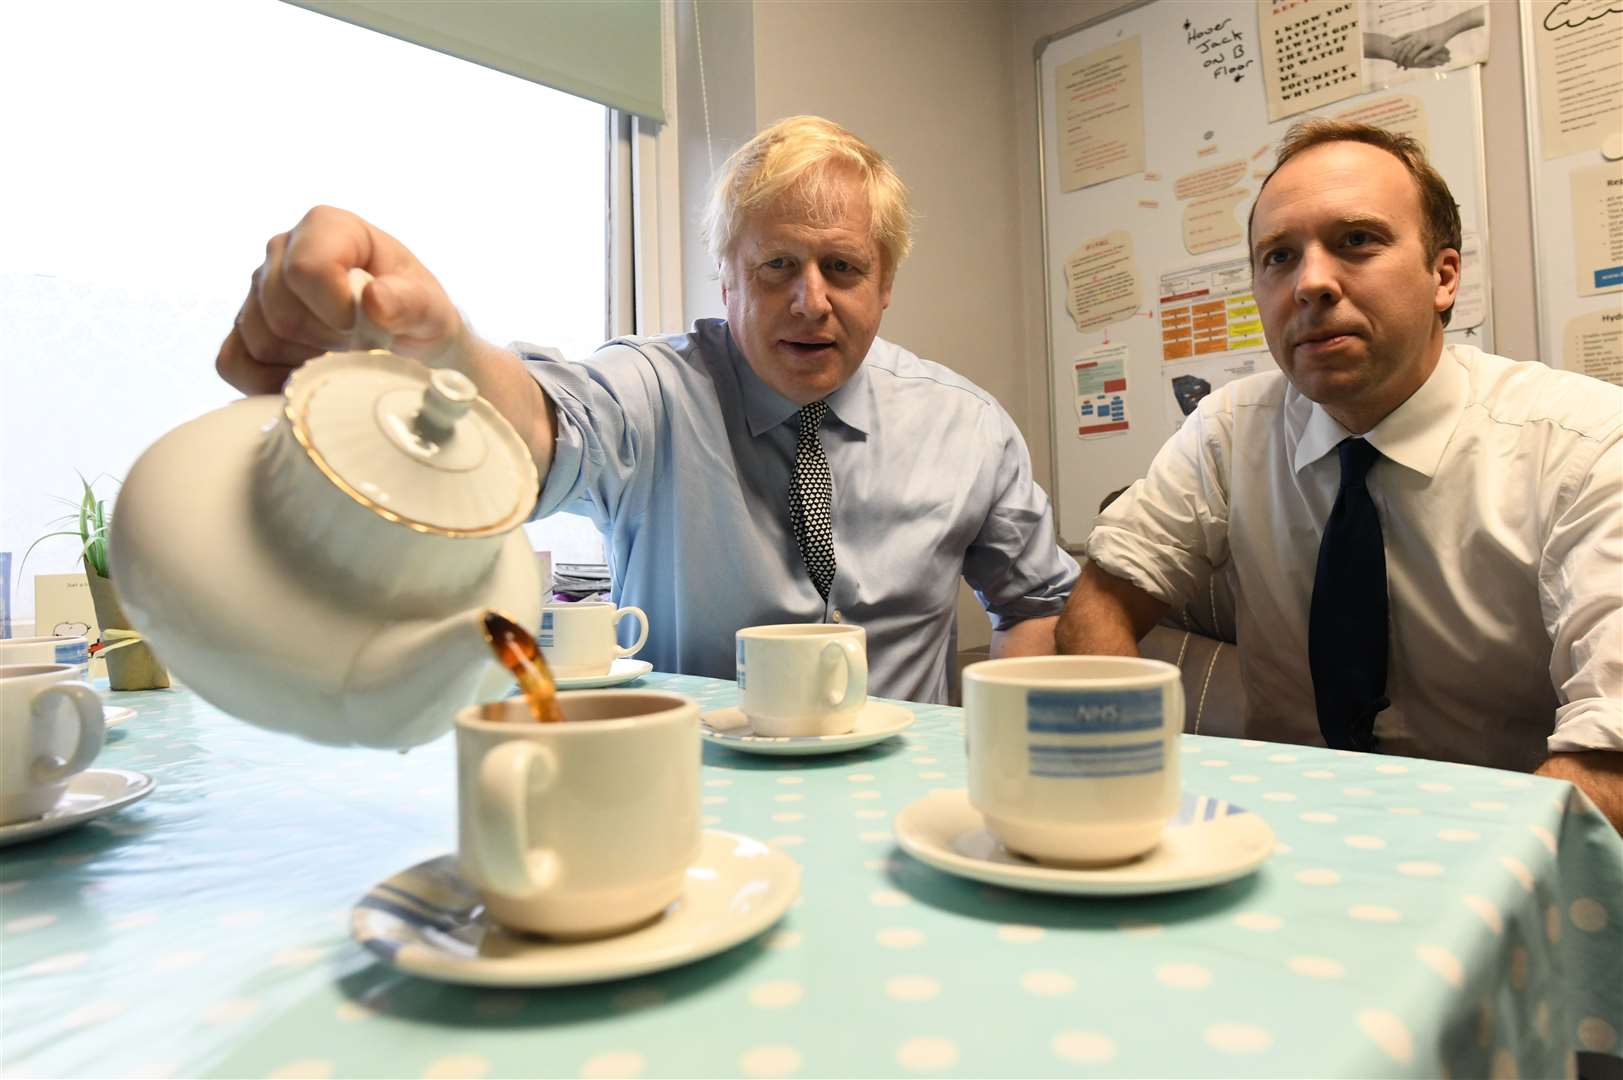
<point>784,464</point>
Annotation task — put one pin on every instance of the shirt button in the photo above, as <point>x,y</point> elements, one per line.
<point>837,617</point>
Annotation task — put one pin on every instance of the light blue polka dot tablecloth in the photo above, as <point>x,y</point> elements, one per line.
<point>1418,919</point>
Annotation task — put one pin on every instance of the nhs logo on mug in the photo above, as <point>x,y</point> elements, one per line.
<point>1093,712</point>
<point>1051,715</point>
<point>740,663</point>
<point>544,638</point>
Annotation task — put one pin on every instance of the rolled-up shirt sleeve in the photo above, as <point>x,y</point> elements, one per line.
<point>607,431</point>
<point>1015,563</point>
<point>1581,594</point>
<point>1167,531</point>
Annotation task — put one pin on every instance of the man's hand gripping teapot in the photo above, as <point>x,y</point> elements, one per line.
<point>320,562</point>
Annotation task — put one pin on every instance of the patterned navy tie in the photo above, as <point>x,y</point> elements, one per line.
<point>1347,631</point>
<point>811,496</point>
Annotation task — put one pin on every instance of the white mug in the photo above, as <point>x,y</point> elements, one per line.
<point>802,678</point>
<point>48,650</point>
<point>579,640</point>
<point>1074,759</point>
<point>43,748</point>
<point>581,828</point>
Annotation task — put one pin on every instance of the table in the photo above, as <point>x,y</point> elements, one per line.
<point>1417,918</point>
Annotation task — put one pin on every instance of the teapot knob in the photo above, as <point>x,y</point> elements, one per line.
<point>448,396</point>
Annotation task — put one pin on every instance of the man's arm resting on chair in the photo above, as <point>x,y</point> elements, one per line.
<point>1106,615</point>
<point>1597,773</point>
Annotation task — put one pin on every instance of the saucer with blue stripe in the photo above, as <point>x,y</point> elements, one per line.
<point>1206,842</point>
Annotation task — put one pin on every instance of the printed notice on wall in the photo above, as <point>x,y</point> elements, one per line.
<point>1310,53</point>
<point>1594,345</point>
<point>1209,311</point>
<point>1411,39</point>
<point>1597,227</point>
<point>1211,223</point>
<point>1101,392</point>
<point>1471,299</point>
<point>1100,100</point>
<point>1100,283</point>
<point>1580,81</point>
<point>1402,114</point>
<point>1187,381</point>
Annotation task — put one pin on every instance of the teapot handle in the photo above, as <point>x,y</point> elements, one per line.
<point>365,334</point>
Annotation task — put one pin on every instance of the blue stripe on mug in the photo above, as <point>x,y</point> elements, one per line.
<point>1093,712</point>
<point>1121,759</point>
<point>74,652</point>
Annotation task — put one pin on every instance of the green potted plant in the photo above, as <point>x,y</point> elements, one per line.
<point>130,662</point>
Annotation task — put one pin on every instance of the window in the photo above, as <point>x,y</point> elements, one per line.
<point>161,145</point>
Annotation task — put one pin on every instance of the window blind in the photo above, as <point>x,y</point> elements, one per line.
<point>608,51</point>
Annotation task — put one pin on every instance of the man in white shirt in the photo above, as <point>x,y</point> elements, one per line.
<point>1449,584</point>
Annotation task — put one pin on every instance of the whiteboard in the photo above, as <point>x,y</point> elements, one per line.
<point>1557,263</point>
<point>1200,112</point>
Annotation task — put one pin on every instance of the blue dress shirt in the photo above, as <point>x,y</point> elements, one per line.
<point>681,455</point>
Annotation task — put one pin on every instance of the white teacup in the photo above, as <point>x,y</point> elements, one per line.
<point>51,728</point>
<point>581,828</point>
<point>802,678</point>
<point>48,650</point>
<point>1074,759</point>
<point>579,640</point>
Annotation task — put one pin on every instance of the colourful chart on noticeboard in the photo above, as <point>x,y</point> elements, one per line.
<point>1101,392</point>
<point>1209,310</point>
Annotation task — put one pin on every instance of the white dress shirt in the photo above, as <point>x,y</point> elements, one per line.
<point>1501,506</point>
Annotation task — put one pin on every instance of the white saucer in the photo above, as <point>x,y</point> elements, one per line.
<point>429,921</point>
<point>877,721</point>
<point>90,794</point>
<point>1207,842</point>
<point>622,670</point>
<point>116,714</point>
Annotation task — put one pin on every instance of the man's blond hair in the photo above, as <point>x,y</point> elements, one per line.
<point>805,156</point>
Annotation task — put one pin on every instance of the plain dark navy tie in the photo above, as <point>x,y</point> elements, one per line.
<point>1347,631</point>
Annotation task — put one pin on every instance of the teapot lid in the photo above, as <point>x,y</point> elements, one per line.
<point>415,445</point>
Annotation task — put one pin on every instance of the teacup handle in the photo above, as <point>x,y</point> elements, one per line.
<point>47,769</point>
<point>856,674</point>
<point>642,637</point>
<point>506,777</point>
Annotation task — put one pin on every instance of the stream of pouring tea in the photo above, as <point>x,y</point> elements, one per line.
<point>519,654</point>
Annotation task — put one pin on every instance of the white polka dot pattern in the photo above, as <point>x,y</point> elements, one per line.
<point>1479,898</point>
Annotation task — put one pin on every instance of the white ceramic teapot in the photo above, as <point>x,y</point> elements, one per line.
<point>319,562</point>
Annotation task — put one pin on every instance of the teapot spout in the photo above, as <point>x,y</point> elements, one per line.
<point>408,682</point>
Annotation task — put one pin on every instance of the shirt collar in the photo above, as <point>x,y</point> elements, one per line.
<point>764,408</point>
<point>1414,435</point>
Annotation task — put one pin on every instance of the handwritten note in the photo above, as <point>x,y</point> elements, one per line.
<point>1224,49</point>
<point>1311,53</point>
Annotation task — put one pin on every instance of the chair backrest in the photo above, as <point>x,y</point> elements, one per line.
<point>1214,699</point>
